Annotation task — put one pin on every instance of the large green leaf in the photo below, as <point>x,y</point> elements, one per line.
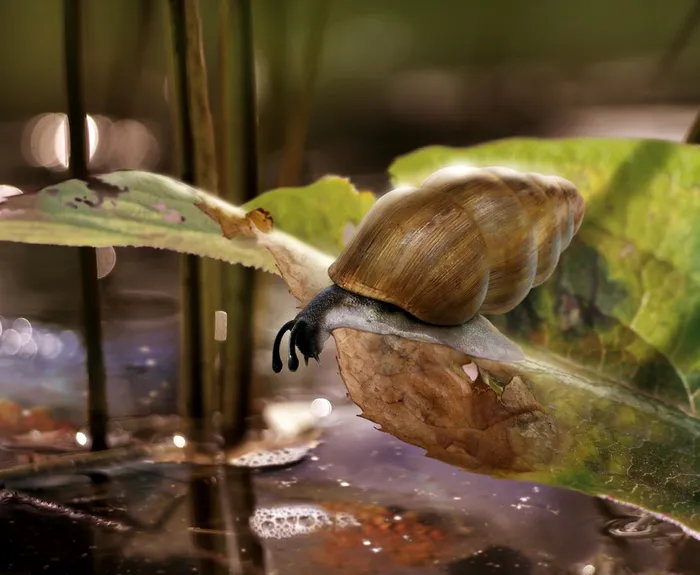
<point>135,208</point>
<point>626,298</point>
<point>542,420</point>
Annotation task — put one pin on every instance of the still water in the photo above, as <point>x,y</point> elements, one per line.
<point>352,501</point>
<point>357,502</point>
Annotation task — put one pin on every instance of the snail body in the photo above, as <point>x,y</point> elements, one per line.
<point>426,262</point>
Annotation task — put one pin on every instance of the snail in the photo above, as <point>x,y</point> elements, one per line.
<point>425,263</point>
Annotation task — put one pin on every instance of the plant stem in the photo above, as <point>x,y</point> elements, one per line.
<point>238,497</point>
<point>298,122</point>
<point>197,93</point>
<point>693,134</point>
<point>200,278</point>
<point>191,377</point>
<point>272,35</point>
<point>238,165</point>
<point>91,311</point>
<point>680,42</point>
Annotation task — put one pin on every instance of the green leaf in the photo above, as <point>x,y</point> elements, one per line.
<point>626,298</point>
<point>316,213</point>
<point>606,439</point>
<point>135,208</point>
<point>125,208</point>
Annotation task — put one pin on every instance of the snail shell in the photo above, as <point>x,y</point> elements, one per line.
<point>467,241</point>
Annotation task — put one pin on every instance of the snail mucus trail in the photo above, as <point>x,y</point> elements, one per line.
<point>426,262</point>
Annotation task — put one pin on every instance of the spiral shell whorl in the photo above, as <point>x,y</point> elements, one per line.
<point>467,241</point>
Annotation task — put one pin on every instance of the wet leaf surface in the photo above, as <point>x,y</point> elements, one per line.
<point>548,420</point>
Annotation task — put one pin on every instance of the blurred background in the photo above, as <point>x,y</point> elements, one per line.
<point>350,85</point>
<point>367,81</point>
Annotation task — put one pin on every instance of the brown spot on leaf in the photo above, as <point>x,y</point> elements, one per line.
<point>84,200</point>
<point>233,225</point>
<point>104,190</point>
<point>262,219</point>
<point>170,215</point>
<point>627,250</point>
<point>12,198</point>
<point>8,192</point>
<point>26,200</point>
<point>53,191</point>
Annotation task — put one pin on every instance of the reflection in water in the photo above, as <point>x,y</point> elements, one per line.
<point>43,363</point>
<point>496,560</point>
<point>123,521</point>
<point>143,517</point>
<point>355,503</point>
<point>222,502</point>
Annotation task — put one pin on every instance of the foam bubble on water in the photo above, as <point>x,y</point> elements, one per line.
<point>285,522</point>
<point>264,458</point>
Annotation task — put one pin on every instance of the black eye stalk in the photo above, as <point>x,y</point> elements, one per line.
<point>299,337</point>
<point>310,329</point>
<point>293,360</point>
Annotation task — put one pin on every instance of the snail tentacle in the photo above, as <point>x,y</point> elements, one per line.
<point>276,358</point>
<point>292,359</point>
